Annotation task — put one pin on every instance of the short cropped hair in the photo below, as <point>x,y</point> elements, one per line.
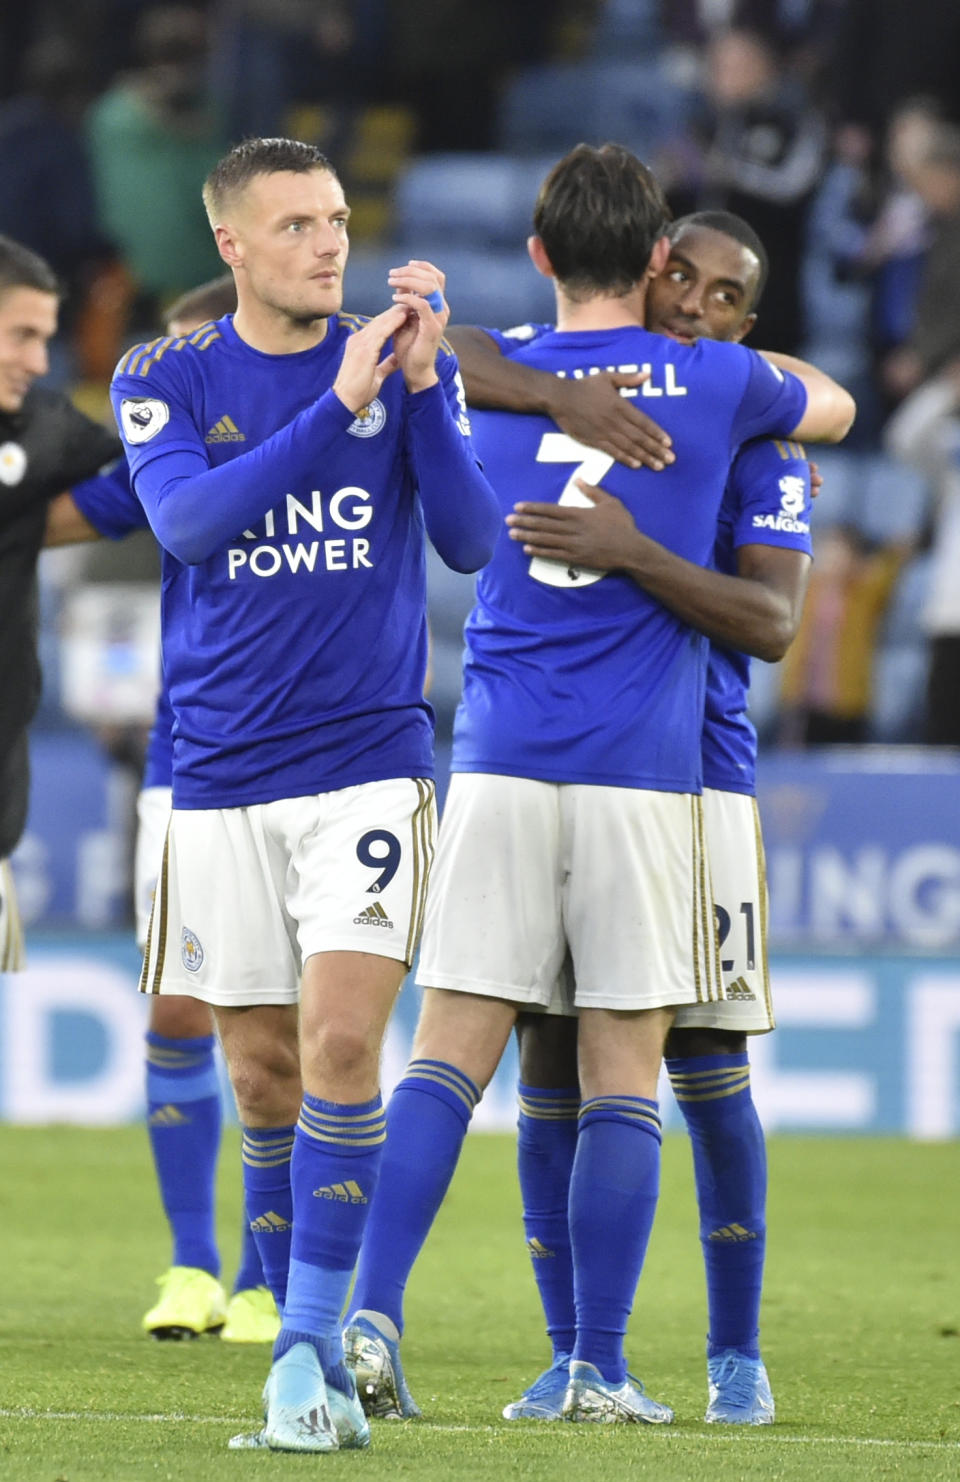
<point>252,157</point>
<point>22,268</point>
<point>731,226</point>
<point>207,301</point>
<point>599,213</point>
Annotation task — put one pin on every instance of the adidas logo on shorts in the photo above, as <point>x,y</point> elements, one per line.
<point>374,915</point>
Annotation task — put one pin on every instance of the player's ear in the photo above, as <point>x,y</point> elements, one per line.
<point>539,258</point>
<point>744,329</point>
<point>658,257</point>
<point>227,246</point>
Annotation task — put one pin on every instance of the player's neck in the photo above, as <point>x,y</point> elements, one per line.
<point>273,332</point>
<point>623,312</point>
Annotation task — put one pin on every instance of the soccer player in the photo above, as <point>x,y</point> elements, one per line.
<point>750,603</point>
<point>573,833</point>
<point>45,445</point>
<point>183,1095</point>
<point>288,460</point>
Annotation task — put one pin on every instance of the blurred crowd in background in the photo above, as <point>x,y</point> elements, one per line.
<point>833,126</point>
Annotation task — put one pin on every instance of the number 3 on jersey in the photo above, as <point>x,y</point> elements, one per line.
<point>557,447</point>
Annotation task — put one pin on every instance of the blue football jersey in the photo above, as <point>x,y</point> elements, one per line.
<point>767,502</point>
<point>158,764</point>
<point>294,643</point>
<point>111,506</point>
<point>574,676</point>
<point>109,503</point>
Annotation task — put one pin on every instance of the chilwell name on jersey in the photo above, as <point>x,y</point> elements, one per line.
<point>348,508</point>
<point>649,387</point>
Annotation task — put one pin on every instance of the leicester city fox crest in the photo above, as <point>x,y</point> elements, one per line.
<point>191,952</point>
<point>369,420</point>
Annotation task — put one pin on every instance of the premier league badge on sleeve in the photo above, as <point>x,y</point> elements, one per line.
<point>13,464</point>
<point>142,417</point>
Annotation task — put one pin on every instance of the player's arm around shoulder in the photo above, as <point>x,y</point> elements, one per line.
<point>830,410</point>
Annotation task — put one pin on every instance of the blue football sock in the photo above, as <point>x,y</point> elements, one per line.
<point>613,1199</point>
<point>268,1200</point>
<point>250,1270</point>
<point>546,1144</point>
<point>336,1164</point>
<point>184,1118</point>
<point>427,1119</point>
<point>730,1167</point>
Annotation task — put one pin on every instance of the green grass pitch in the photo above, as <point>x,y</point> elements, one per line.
<point>861,1329</point>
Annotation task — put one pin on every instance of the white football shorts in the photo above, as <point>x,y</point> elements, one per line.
<point>153,816</point>
<point>12,956</point>
<point>535,881</point>
<point>735,847</point>
<point>246,895</point>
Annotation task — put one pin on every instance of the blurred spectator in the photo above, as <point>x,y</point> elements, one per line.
<point>153,138</point>
<point>827,675</point>
<point>889,51</point>
<point>935,336</point>
<point>878,233</point>
<point>925,432</point>
<point>47,199</point>
<point>762,154</point>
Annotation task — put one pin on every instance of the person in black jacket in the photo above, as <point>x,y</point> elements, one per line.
<point>45,446</point>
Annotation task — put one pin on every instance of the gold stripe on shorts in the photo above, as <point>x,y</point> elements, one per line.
<point>421,832</point>
<point>697,977</point>
<point>763,902</point>
<point>12,959</point>
<point>705,979</point>
<point>711,945</point>
<point>150,982</point>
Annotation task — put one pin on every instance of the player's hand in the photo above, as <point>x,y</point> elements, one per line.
<point>594,412</point>
<point>364,368</point>
<point>418,288</point>
<point>816,479</point>
<point>598,535</point>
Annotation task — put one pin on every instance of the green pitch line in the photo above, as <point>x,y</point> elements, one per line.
<point>861,1329</point>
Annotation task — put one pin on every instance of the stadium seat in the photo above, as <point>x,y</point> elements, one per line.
<point>899,683</point>
<point>895,502</point>
<point>483,287</point>
<point>627,28</point>
<point>550,108</point>
<point>474,200</point>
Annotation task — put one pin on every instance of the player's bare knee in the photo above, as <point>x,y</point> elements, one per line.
<point>341,1052</point>
<point>267,1089</point>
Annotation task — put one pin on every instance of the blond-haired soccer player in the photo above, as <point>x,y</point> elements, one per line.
<point>289,460</point>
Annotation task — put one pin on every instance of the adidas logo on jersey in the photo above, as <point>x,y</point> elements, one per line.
<point>168,1116</point>
<point>732,1234</point>
<point>374,915</point>
<point>225,431</point>
<point>269,1224</point>
<point>345,1193</point>
<point>740,991</point>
